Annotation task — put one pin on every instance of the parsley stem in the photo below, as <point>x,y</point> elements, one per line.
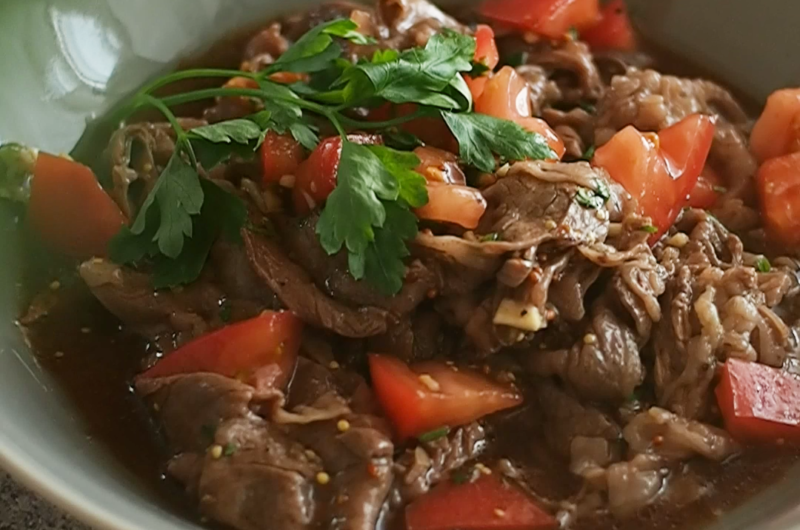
<point>194,74</point>
<point>383,124</point>
<point>181,140</point>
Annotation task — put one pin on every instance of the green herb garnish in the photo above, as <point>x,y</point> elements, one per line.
<point>229,449</point>
<point>589,153</point>
<point>434,435</point>
<point>594,199</point>
<point>763,264</point>
<point>369,214</point>
<point>460,477</point>
<point>650,229</point>
<point>720,190</point>
<point>493,236</point>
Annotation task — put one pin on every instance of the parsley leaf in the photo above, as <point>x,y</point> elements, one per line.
<point>481,136</point>
<point>596,198</point>
<point>239,131</point>
<point>384,267</point>
<point>589,153</point>
<point>650,229</point>
<point>416,75</point>
<point>434,435</point>
<point>401,165</point>
<point>763,264</point>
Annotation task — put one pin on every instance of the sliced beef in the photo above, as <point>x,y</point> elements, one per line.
<point>175,316</point>
<point>300,294</point>
<point>331,272</point>
<point>651,101</point>
<point>543,90</point>
<point>252,472</point>
<point>414,22</point>
<point>719,306</point>
<point>572,66</point>
<point>137,154</point>
<point>421,468</point>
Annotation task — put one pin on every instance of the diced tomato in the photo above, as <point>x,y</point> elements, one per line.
<point>707,190</point>
<point>613,29</point>
<point>439,166</point>
<point>659,170</point>
<point>549,18</point>
<point>779,191</point>
<point>432,131</point>
<point>540,126</point>
<point>261,351</point>
<point>287,78</point>
<point>69,209</point>
<point>486,47</point>
<point>506,96</point>
<point>488,503</point>
<point>777,131</point>
<point>316,176</point>
<point>280,155</point>
<point>459,205</point>
<point>427,396</point>
<point>476,85</point>
<point>759,403</point>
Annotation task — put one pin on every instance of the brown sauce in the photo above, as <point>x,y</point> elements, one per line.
<point>94,360</point>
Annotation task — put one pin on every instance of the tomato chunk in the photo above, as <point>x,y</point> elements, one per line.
<point>428,396</point>
<point>488,503</point>
<point>759,403</point>
<point>613,29</point>
<point>439,166</point>
<point>506,96</point>
<point>540,126</point>
<point>777,131</point>
<point>659,171</point>
<point>779,191</point>
<point>455,204</point>
<point>261,351</point>
<point>69,210</point>
<point>486,47</point>
<point>280,155</point>
<point>708,189</point>
<point>549,18</point>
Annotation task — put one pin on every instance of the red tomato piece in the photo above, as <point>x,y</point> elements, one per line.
<point>69,210</point>
<point>659,171</point>
<point>459,205</point>
<point>439,166</point>
<point>708,189</point>
<point>486,47</point>
<point>759,403</point>
<point>540,126</point>
<point>506,96</point>
<point>613,29</point>
<point>777,131</point>
<point>779,190</point>
<point>261,351</point>
<point>280,155</point>
<point>549,18</point>
<point>488,503</point>
<point>431,395</point>
<point>316,176</point>
<point>476,85</point>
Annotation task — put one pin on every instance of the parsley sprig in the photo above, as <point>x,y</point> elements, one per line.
<point>369,214</point>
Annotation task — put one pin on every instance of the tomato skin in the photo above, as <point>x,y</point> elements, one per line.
<point>414,409</point>
<point>613,29</point>
<point>540,126</point>
<point>261,351</point>
<point>705,192</point>
<point>660,172</point>
<point>439,166</point>
<point>474,505</point>
<point>69,210</point>
<point>280,155</point>
<point>506,96</point>
<point>777,131</point>
<point>759,403</point>
<point>455,204</point>
<point>778,182</point>
<point>549,18</point>
<point>485,47</point>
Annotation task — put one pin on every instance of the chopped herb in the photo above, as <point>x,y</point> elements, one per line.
<point>434,435</point>
<point>494,236</point>
<point>650,229</point>
<point>225,309</point>
<point>588,154</point>
<point>572,33</point>
<point>230,449</point>
<point>16,171</point>
<point>720,190</point>
<point>460,477</point>
<point>596,198</point>
<point>763,264</point>
<point>588,107</point>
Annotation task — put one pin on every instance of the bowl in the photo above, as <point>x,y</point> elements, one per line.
<point>67,61</point>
